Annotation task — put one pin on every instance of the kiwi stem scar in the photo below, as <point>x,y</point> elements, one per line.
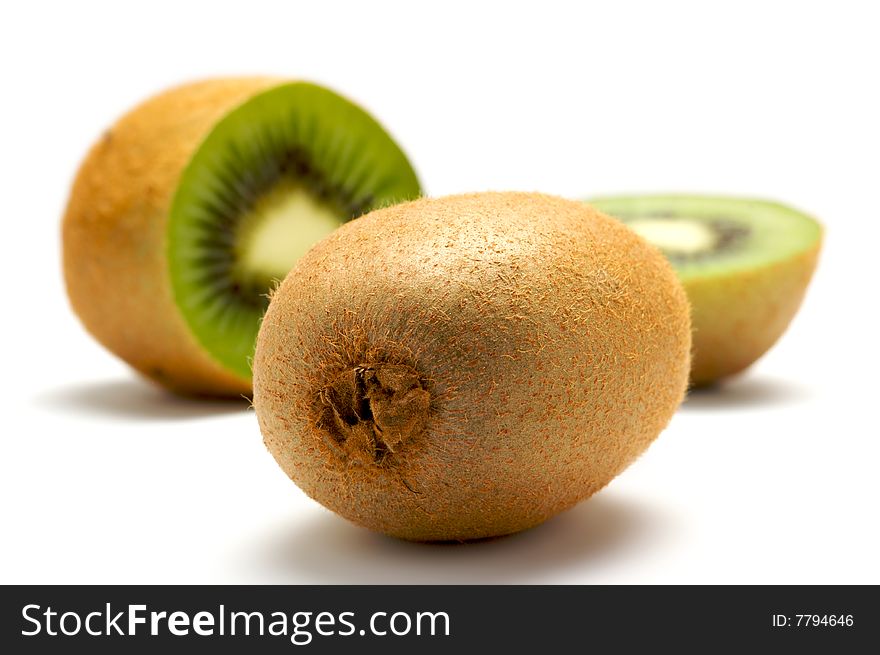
<point>372,411</point>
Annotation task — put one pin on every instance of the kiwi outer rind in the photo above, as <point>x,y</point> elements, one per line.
<point>554,344</point>
<point>738,318</point>
<point>738,315</point>
<point>114,233</point>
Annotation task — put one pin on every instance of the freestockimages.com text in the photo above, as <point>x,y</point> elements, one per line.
<point>300,627</point>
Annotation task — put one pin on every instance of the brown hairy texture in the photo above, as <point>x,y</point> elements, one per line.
<point>114,231</point>
<point>466,367</point>
<point>738,317</point>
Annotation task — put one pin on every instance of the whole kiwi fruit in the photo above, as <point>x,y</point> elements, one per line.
<point>745,264</point>
<point>195,203</point>
<point>469,366</point>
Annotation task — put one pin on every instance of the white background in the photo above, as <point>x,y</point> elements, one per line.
<point>771,479</point>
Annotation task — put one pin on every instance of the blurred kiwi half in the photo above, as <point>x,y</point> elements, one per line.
<point>188,211</point>
<point>745,265</point>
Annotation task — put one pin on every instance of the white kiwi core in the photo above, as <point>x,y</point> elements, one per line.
<point>676,236</point>
<point>283,225</point>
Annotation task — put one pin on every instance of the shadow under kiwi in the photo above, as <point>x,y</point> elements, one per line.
<point>130,398</point>
<point>745,392</point>
<point>327,549</point>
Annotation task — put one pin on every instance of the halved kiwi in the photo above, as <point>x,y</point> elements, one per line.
<point>745,265</point>
<point>189,210</point>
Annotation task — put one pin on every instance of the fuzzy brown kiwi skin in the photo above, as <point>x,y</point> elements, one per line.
<point>537,345</point>
<point>738,317</point>
<point>114,232</point>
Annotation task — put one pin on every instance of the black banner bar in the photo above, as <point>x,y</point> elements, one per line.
<point>392,619</point>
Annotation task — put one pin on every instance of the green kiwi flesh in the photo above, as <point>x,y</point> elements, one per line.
<point>712,235</point>
<point>273,177</point>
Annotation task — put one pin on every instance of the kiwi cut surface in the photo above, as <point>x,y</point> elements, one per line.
<point>195,204</point>
<point>745,264</point>
<point>492,361</point>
